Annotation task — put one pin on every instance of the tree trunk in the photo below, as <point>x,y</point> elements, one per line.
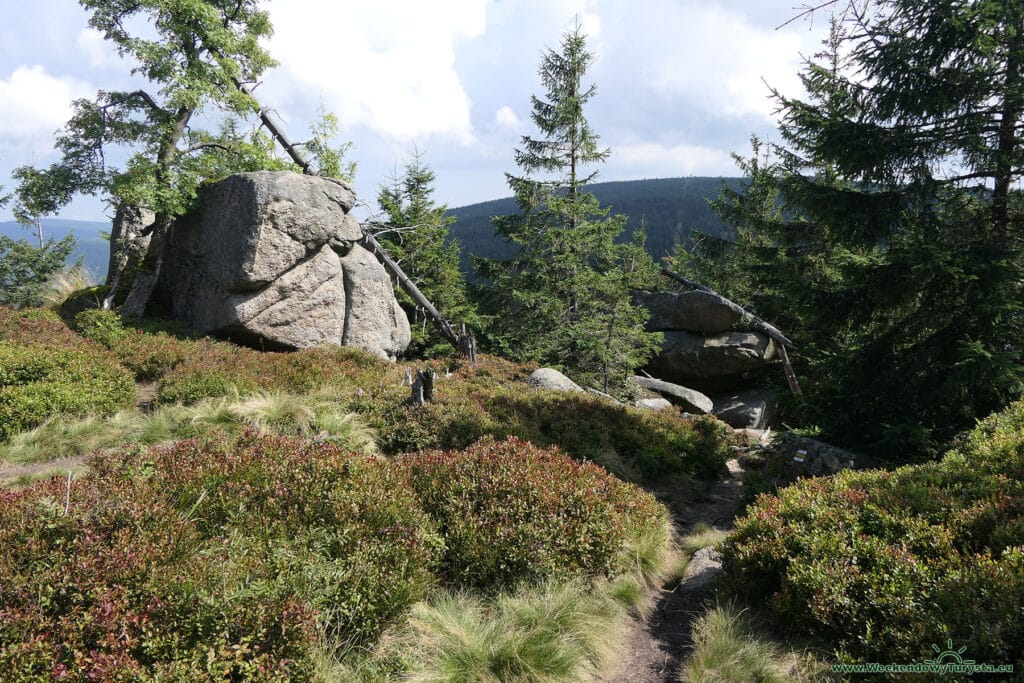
<point>149,269</point>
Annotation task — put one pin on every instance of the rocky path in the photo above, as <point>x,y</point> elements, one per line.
<point>659,644</point>
<point>14,472</point>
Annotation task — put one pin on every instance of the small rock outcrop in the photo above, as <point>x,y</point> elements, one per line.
<point>653,404</point>
<point>706,356</point>
<point>271,259</point>
<point>750,409</point>
<point>689,400</point>
<point>552,380</point>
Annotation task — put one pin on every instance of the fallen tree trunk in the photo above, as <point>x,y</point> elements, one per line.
<point>773,332</point>
<point>465,343</point>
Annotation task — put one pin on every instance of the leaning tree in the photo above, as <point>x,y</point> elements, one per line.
<point>193,55</point>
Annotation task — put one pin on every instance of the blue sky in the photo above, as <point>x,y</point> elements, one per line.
<point>681,83</point>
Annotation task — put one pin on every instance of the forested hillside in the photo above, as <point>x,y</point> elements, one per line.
<point>669,208</point>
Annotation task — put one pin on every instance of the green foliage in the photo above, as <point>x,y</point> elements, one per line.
<point>329,161</point>
<point>510,512</point>
<point>38,382</point>
<point>490,399</point>
<point>416,235</point>
<point>40,193</point>
<point>194,54</point>
<point>887,563</point>
<point>486,399</point>
<point>25,270</point>
<point>563,298</point>
<point>890,255</point>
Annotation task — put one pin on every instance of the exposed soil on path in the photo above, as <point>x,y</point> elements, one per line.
<point>33,470</point>
<point>658,645</point>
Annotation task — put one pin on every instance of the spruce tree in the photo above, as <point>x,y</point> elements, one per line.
<point>563,299</point>
<point>885,234</point>
<point>417,236</point>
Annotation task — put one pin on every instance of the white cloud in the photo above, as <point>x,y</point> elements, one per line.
<point>652,159</point>
<point>33,104</point>
<point>715,58</point>
<point>96,48</point>
<point>387,66</point>
<point>506,118</point>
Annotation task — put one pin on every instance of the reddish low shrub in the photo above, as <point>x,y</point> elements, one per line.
<point>511,512</point>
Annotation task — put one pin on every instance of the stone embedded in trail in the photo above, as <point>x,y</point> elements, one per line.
<point>271,259</point>
<point>702,569</point>
<point>552,380</point>
<point>693,311</point>
<point>688,399</point>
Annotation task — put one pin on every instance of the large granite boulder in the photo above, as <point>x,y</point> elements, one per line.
<point>692,311</point>
<point>271,259</point>
<point>710,363</point>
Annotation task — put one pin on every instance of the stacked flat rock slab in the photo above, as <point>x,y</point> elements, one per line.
<point>271,259</point>
<point>710,362</point>
<point>702,354</point>
<point>689,400</point>
<point>693,311</point>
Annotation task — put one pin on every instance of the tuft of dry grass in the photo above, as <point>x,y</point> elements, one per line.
<point>702,536</point>
<point>268,412</point>
<point>66,283</point>
<point>729,647</point>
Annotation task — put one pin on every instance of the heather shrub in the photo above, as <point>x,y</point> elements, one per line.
<point>38,382</point>
<point>511,512</point>
<point>489,399</point>
<point>99,325</point>
<point>219,368</point>
<point>101,579</point>
<point>228,557</point>
<point>888,563</point>
<point>342,530</point>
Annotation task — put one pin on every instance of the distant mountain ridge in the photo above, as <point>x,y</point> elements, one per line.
<point>669,208</point>
<point>93,249</point>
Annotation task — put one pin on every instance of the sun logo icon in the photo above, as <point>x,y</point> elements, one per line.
<point>949,654</point>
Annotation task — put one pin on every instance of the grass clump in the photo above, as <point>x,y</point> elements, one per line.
<point>548,634</point>
<point>728,647</point>
<point>267,412</point>
<point>702,536</point>
<point>888,563</point>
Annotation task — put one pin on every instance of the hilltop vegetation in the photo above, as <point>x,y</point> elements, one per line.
<point>240,552</point>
